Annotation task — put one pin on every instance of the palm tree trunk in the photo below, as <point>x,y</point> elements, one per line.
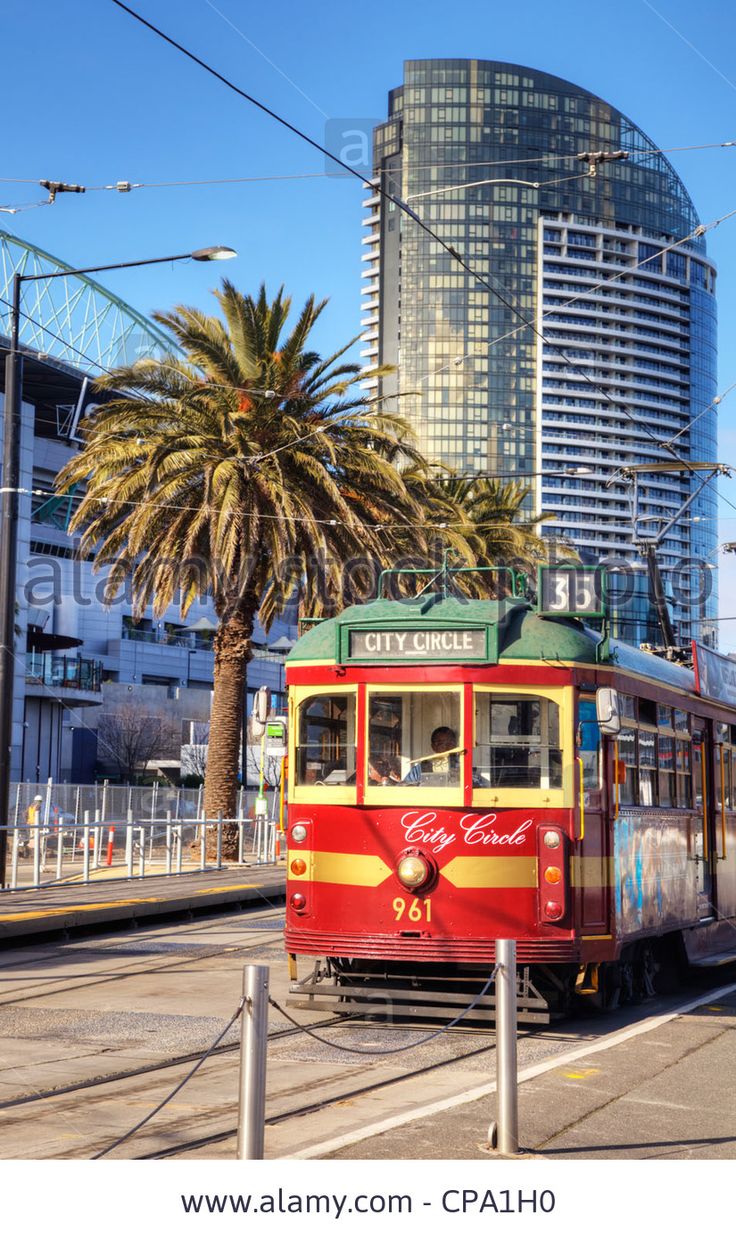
<point>232,653</point>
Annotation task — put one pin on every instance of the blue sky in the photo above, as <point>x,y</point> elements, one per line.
<point>97,99</point>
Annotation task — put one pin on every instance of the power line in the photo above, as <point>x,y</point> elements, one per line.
<point>398,202</point>
<point>553,156</point>
<point>356,524</point>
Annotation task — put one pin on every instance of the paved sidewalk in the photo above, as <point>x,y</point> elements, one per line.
<point>669,1092</point>
<point>66,906</point>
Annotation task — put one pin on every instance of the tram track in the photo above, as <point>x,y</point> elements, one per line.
<point>15,999</point>
<point>162,1065</point>
<point>311,1108</point>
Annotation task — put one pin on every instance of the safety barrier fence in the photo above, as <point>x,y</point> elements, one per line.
<point>252,1011</point>
<point>98,849</point>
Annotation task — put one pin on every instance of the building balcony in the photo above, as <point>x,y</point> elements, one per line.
<point>162,637</point>
<point>66,678</point>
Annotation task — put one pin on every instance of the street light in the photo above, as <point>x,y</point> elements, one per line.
<point>9,508</point>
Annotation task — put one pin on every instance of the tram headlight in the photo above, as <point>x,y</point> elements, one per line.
<point>551,839</point>
<point>412,871</point>
<point>298,833</point>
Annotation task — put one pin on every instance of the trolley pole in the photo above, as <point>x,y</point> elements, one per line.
<point>507,1129</point>
<point>253,1046</point>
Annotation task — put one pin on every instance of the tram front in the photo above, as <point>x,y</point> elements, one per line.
<point>433,804</point>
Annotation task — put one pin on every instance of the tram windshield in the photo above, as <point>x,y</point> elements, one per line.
<point>414,739</point>
<point>517,742</point>
<point>325,751</point>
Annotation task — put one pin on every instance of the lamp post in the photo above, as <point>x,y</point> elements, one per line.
<point>9,508</point>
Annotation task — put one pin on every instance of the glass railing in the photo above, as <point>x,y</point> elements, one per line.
<point>63,671</point>
<point>188,641</point>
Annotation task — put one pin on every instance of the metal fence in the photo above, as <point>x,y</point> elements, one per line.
<point>87,832</point>
<point>60,803</point>
<point>95,850</point>
<point>57,804</point>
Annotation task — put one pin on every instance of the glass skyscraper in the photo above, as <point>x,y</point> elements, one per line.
<point>623,356</point>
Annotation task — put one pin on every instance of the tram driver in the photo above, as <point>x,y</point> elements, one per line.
<point>443,766</point>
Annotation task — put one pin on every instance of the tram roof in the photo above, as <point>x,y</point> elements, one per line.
<point>523,634</point>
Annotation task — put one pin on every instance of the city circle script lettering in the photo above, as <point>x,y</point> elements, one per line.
<point>424,827</point>
<point>453,644</point>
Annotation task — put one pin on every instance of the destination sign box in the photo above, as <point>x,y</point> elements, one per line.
<point>571,590</point>
<point>445,645</point>
<point>715,674</point>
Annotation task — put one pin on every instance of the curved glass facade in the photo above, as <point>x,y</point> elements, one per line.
<point>487,154</point>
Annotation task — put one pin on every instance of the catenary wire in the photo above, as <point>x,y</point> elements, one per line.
<point>462,163</point>
<point>449,249</point>
<point>514,475</point>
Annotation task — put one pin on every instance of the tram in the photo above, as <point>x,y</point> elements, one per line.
<point>467,770</point>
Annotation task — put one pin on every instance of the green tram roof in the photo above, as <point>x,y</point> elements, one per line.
<point>522,634</point>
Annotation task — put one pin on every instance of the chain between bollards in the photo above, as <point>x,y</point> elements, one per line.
<point>253,1050</point>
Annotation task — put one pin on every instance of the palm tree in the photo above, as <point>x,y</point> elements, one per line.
<point>234,468</point>
<point>488,523</point>
<point>501,529</point>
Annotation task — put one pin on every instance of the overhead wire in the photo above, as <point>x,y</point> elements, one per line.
<point>403,206</point>
<point>552,156</point>
<point>449,248</point>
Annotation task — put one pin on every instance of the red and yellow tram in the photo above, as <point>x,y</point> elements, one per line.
<point>462,771</point>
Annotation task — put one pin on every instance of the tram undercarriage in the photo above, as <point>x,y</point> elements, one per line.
<point>400,991</point>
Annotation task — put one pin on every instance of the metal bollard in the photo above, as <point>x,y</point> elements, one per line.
<point>253,1048</point>
<point>507,1127</point>
<point>218,845</point>
<point>14,861</point>
<point>168,841</point>
<point>85,848</point>
<point>142,851</point>
<point>241,840</point>
<point>36,856</point>
<point>59,852</point>
<point>179,842</point>
<point>129,845</point>
<point>203,846</point>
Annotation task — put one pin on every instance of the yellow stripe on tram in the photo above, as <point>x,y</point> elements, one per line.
<point>347,869</point>
<point>491,871</point>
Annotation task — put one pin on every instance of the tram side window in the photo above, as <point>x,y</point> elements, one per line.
<point>684,779</point>
<point>666,760</point>
<point>517,742</point>
<point>627,772</point>
<point>414,739</point>
<point>647,767</point>
<point>325,752</point>
<point>722,784</point>
<point>697,773</point>
<point>589,742</point>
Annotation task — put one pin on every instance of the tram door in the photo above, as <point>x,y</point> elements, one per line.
<point>593,883</point>
<point>702,822</point>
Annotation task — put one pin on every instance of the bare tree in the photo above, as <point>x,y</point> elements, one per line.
<point>195,747</point>
<point>129,740</point>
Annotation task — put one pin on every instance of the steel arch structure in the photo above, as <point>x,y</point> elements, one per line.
<point>73,319</point>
